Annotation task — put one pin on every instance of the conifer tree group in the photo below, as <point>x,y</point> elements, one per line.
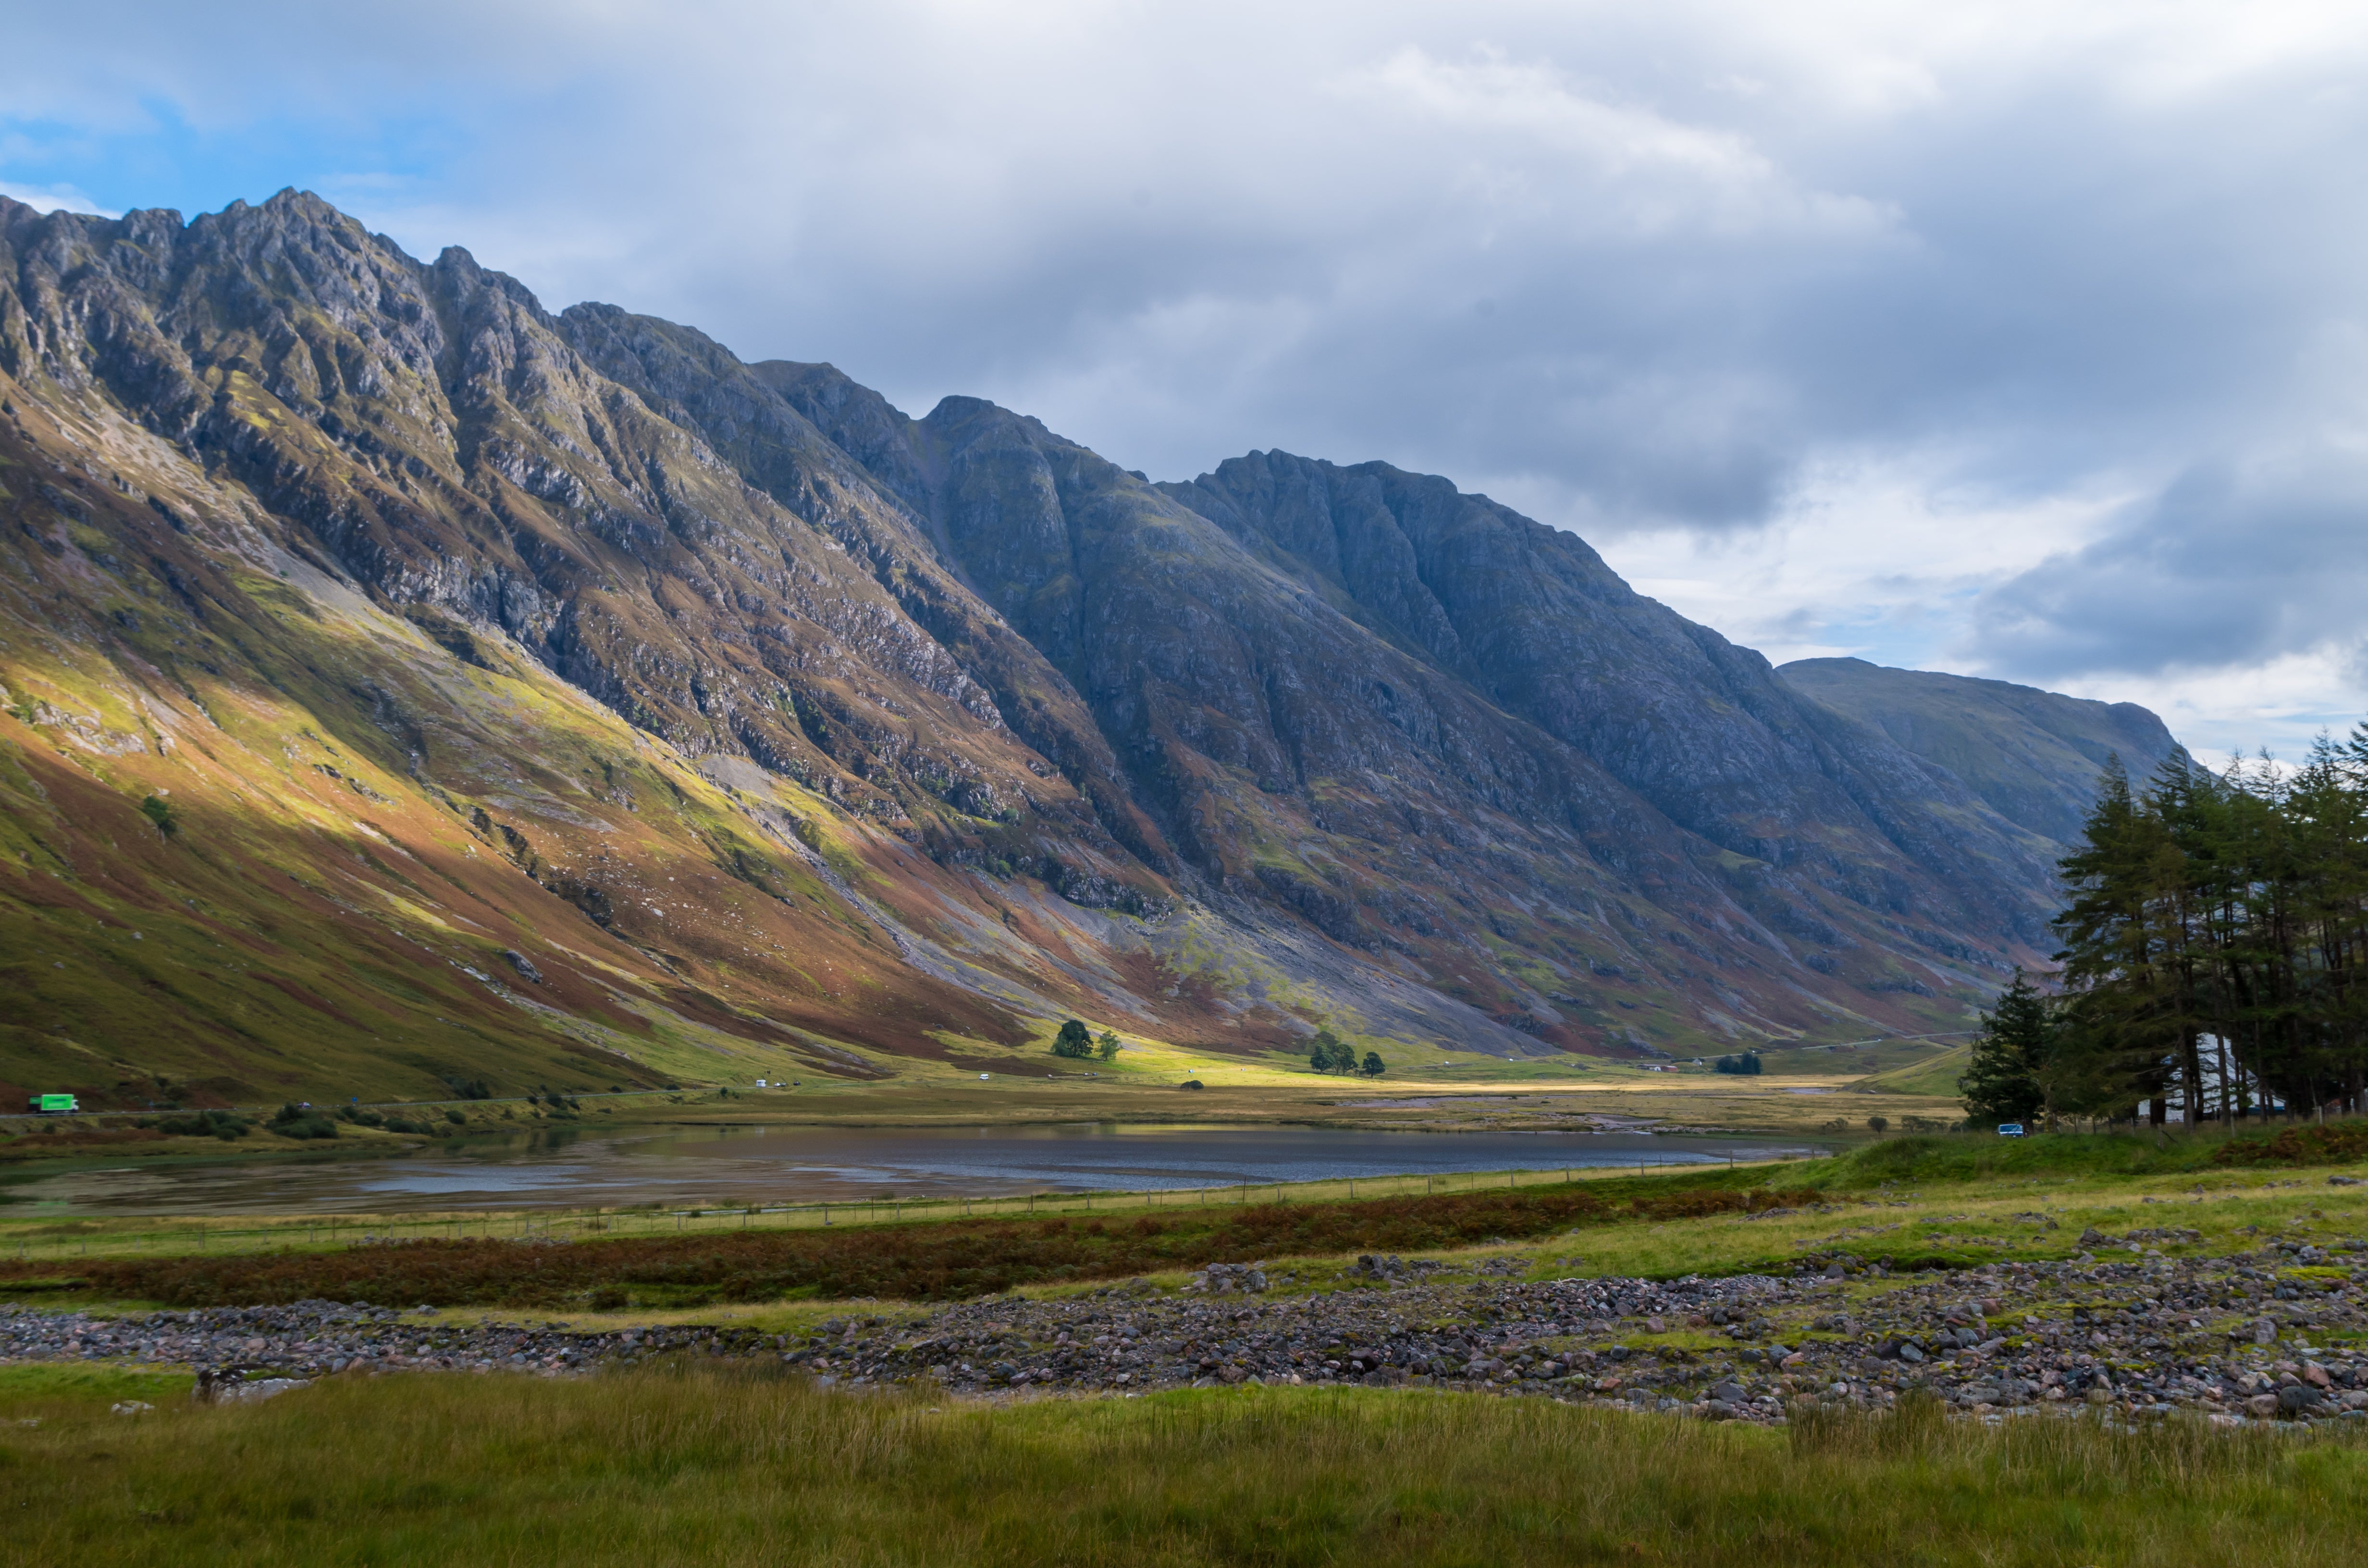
<point>2215,944</point>
<point>1074,1041</point>
<point>1326,1052</point>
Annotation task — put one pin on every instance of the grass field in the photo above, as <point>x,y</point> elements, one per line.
<point>1811,1098</point>
<point>692,1464</point>
<point>1927,1201</point>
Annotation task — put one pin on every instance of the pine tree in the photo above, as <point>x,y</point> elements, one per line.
<point>2216,939</point>
<point>1074,1041</point>
<point>2006,1080</point>
<point>1373,1068</point>
<point>1326,1052</point>
<point>2113,964</point>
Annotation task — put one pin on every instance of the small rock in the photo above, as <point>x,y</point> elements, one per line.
<point>131,1407</point>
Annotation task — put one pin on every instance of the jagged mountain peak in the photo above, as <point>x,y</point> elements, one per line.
<point>965,709</point>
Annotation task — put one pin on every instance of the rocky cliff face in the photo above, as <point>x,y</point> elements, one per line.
<point>487,628</point>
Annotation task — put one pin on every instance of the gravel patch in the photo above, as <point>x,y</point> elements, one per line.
<point>2269,1334</point>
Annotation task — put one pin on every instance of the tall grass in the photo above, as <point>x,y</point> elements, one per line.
<point>698,1465</point>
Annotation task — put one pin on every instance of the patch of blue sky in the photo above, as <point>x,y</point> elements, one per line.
<point>158,158</point>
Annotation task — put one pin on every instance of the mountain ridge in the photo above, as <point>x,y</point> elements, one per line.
<point>2033,756</point>
<point>952,708</point>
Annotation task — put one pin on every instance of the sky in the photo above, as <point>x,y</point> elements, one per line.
<point>2021,340</point>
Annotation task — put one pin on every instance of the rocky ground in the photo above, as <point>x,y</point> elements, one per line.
<point>2271,1334</point>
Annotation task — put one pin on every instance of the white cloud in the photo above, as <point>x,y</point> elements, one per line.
<point>1880,555</point>
<point>54,198</point>
<point>1845,324</point>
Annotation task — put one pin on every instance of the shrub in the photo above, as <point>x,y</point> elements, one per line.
<point>156,810</point>
<point>302,1122</point>
<point>221,1124</point>
<point>455,1118</point>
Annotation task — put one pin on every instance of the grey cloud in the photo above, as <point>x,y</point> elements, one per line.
<point>1645,262</point>
<point>2228,566</point>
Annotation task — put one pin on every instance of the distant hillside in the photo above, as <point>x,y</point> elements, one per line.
<point>2033,756</point>
<point>403,686</point>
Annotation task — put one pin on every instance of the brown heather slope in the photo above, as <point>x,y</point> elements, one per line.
<point>775,732</point>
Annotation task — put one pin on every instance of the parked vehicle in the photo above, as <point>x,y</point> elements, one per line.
<point>54,1105</point>
<point>2010,1129</point>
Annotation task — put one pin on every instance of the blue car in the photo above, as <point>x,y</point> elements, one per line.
<point>2010,1129</point>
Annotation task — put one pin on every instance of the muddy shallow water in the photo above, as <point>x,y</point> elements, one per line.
<point>571,1169</point>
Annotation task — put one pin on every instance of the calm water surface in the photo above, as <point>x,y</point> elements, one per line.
<point>805,1165</point>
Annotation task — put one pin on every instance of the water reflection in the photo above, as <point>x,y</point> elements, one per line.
<point>565,1168</point>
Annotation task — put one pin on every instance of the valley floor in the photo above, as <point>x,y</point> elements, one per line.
<point>1806,1093</point>
<point>2153,1353</point>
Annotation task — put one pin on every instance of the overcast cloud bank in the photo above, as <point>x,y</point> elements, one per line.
<point>1989,338</point>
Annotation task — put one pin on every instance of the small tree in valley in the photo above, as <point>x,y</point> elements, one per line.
<point>1074,1041</point>
<point>2006,1081</point>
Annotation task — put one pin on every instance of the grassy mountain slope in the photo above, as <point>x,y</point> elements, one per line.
<point>558,699</point>
<point>2033,756</point>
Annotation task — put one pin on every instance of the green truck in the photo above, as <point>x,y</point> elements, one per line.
<point>54,1105</point>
